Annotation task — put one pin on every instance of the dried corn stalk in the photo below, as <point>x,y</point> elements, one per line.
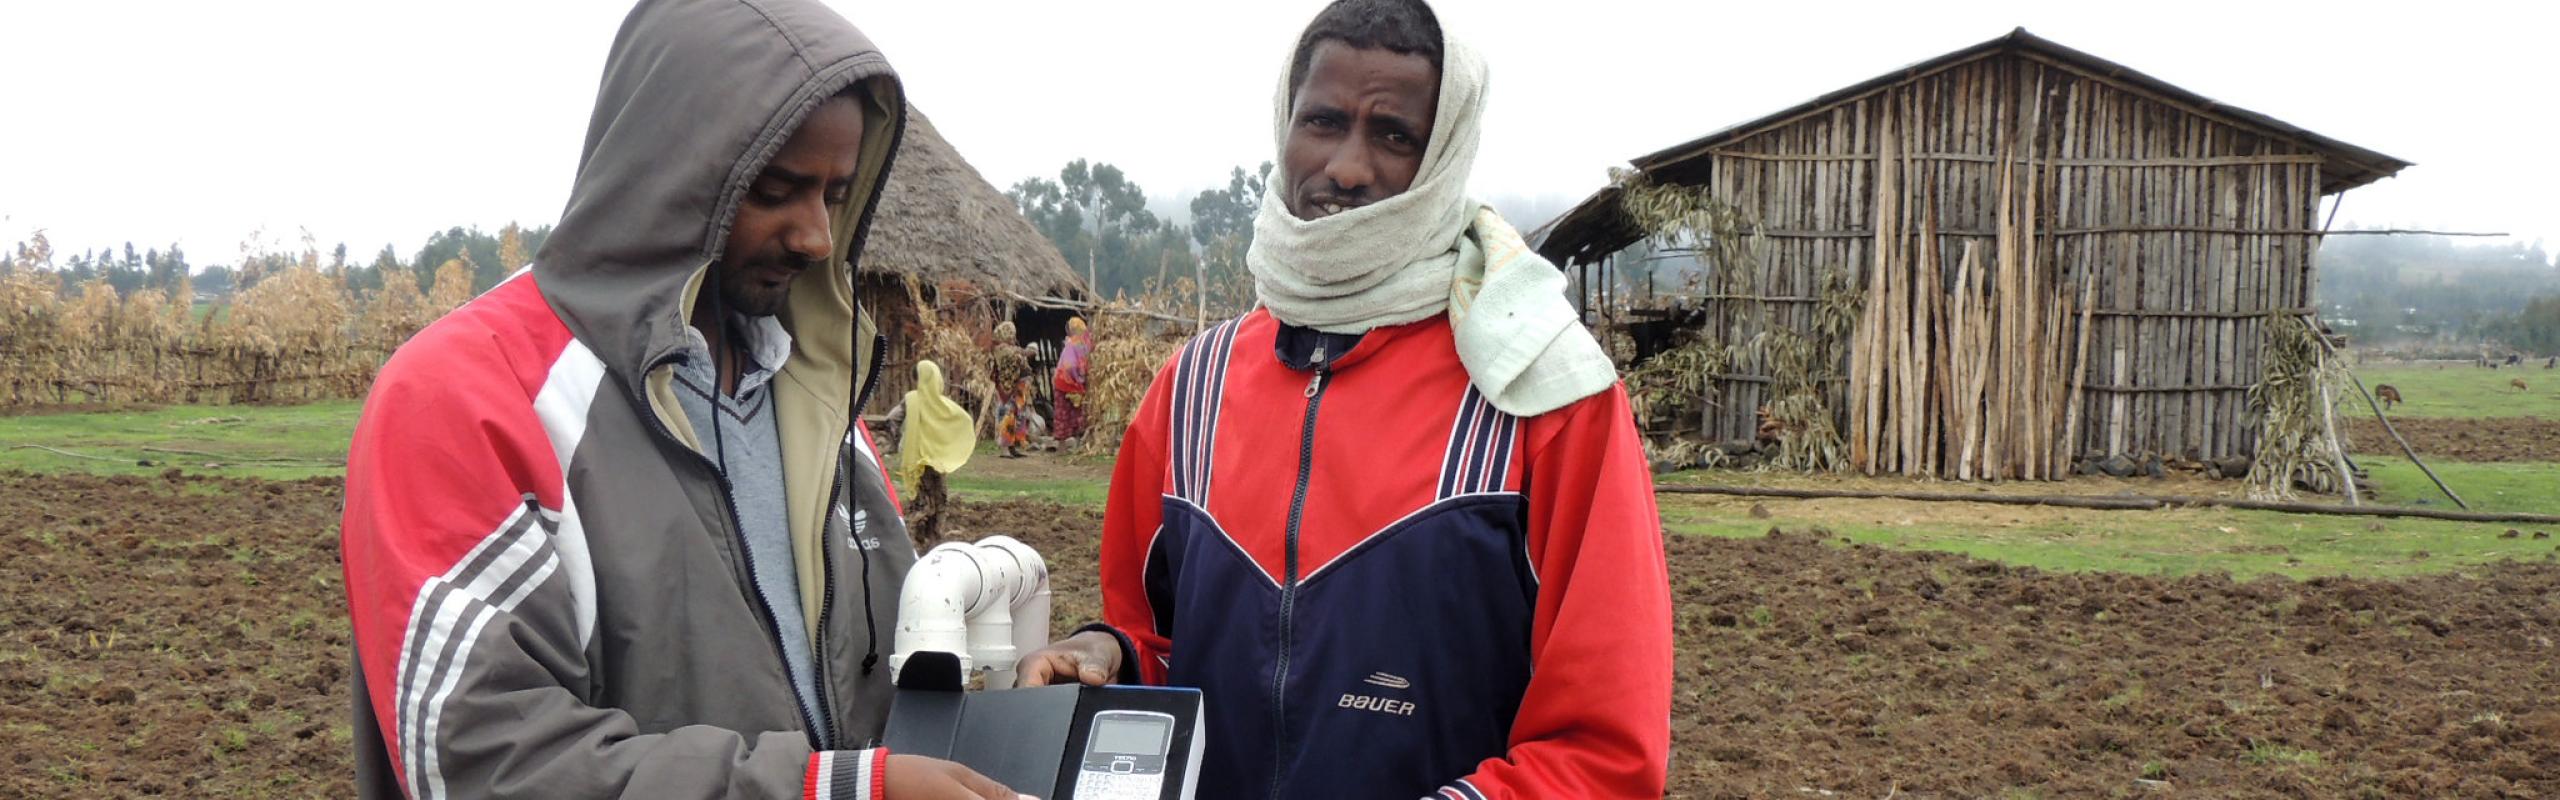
<point>1128,350</point>
<point>1682,383</point>
<point>2296,402</point>
<point>298,333</point>
<point>948,334</point>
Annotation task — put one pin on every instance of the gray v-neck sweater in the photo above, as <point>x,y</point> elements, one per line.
<point>747,444</point>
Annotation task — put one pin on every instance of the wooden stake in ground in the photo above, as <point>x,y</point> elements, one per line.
<point>1867,380</point>
<point>2329,426</point>
<point>2079,374</point>
<point>2004,295</point>
<point>1967,361</point>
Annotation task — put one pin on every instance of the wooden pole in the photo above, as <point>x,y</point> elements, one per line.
<point>2079,375</point>
<point>1866,381</point>
<point>1967,361</point>
<point>2337,449</point>
<point>2387,427</point>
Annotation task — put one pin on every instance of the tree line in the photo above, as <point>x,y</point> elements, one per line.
<point>2417,291</point>
<point>488,256</point>
<point>1093,212</point>
<point>1099,220</point>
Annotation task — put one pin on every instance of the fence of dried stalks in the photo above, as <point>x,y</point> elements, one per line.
<point>299,334</point>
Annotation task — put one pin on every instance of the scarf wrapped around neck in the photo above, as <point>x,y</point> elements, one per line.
<point>1429,251</point>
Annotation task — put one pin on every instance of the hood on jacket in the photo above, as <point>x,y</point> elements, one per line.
<point>697,97</point>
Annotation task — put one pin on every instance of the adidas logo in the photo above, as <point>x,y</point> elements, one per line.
<point>855,520</point>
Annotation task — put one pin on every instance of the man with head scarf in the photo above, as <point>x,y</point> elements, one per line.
<point>613,528</point>
<point>1397,525</point>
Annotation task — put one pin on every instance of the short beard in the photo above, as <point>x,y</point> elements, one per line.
<point>739,296</point>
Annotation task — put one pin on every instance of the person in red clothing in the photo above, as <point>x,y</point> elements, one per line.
<point>1396,524</point>
<point>1067,382</point>
<point>613,528</point>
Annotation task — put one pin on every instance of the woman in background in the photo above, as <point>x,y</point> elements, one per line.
<point>1068,380</point>
<point>935,436</point>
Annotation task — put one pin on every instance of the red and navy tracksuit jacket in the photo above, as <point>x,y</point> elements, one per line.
<point>1385,587</point>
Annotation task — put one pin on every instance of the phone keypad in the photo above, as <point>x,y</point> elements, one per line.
<point>1097,785</point>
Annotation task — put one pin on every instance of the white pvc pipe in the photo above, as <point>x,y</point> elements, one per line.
<point>991,622</point>
<point>986,603</point>
<point>1024,611</point>
<point>934,605</point>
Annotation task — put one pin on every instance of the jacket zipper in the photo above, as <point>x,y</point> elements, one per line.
<point>1289,583</point>
<point>738,530</point>
<point>772,622</point>
<point>826,555</point>
<point>827,599</point>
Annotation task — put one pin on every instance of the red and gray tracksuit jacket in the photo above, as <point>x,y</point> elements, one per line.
<point>549,592</point>
<point>1386,587</point>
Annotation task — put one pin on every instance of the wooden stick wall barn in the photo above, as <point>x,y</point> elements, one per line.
<point>2061,259</point>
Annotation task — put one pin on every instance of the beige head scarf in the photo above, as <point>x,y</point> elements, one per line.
<point>1427,251</point>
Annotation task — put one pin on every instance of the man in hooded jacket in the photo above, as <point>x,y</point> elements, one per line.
<point>1396,524</point>
<point>610,528</point>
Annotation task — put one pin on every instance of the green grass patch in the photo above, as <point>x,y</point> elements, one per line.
<point>2129,696</point>
<point>2464,392</point>
<point>1071,491</point>
<point>2166,542</point>
<point>243,440</point>
<point>1072,478</point>
<point>2271,753</point>
<point>2517,487</point>
<point>276,442</point>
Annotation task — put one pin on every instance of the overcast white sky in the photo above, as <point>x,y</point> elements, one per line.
<point>377,122</point>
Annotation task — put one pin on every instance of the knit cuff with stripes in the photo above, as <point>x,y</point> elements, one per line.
<point>847,775</point>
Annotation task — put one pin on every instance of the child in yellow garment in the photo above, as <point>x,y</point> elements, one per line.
<point>934,440</point>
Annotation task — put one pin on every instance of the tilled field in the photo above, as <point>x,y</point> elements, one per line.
<point>2495,439</point>
<point>184,637</point>
<point>1808,668</point>
<point>171,637</point>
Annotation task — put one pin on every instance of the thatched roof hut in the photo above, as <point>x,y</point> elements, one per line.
<point>941,224</point>
<point>941,221</point>
<point>2049,259</point>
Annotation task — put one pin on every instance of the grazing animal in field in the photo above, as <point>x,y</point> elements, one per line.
<point>2514,360</point>
<point>2553,361</point>
<point>2519,384</point>
<point>2388,394</point>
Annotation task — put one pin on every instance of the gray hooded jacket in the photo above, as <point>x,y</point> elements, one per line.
<point>549,593</point>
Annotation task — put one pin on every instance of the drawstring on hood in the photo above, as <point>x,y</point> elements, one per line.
<point>650,212</point>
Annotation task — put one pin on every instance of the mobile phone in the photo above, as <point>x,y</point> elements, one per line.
<point>1124,756</point>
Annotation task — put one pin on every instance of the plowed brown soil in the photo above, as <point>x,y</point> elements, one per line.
<point>185,637</point>
<point>2494,439</point>
<point>171,637</point>
<point>1866,672</point>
